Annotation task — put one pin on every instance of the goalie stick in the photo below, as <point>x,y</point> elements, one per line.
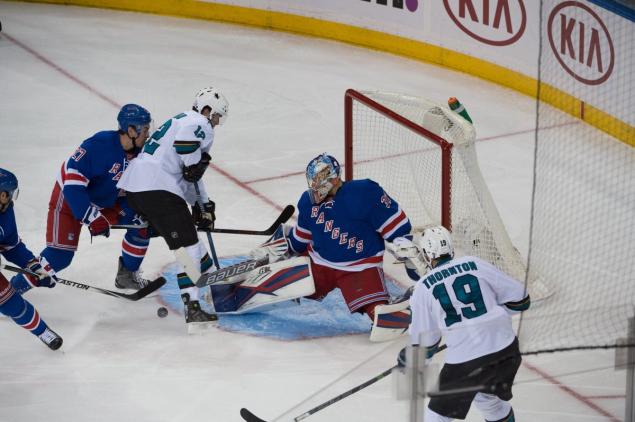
<point>250,417</point>
<point>139,294</point>
<point>284,216</point>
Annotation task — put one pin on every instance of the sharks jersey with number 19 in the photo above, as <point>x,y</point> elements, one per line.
<point>347,231</point>
<point>178,143</point>
<point>469,302</point>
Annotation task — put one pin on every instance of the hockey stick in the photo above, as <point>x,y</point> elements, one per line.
<point>139,294</point>
<point>250,417</point>
<point>199,201</point>
<point>286,214</point>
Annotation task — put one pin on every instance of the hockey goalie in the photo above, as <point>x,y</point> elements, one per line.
<point>336,243</point>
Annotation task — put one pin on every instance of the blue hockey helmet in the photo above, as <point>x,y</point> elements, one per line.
<point>9,185</point>
<point>133,115</point>
<point>321,173</point>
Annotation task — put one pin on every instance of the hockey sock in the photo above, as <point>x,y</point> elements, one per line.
<point>432,416</point>
<point>509,418</point>
<point>206,262</point>
<point>23,313</point>
<point>133,249</point>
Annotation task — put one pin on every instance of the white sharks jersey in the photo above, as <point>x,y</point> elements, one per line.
<point>178,143</point>
<point>468,302</point>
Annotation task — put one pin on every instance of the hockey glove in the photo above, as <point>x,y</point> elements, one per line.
<point>45,274</point>
<point>403,248</point>
<point>204,219</point>
<point>98,225</point>
<point>194,172</point>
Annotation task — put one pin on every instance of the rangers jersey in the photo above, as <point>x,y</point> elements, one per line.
<point>347,231</point>
<point>178,143</point>
<point>91,174</point>
<point>468,301</point>
<point>11,246</point>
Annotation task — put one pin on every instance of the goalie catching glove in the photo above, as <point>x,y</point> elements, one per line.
<point>194,172</point>
<point>403,248</point>
<point>204,216</point>
<point>406,251</point>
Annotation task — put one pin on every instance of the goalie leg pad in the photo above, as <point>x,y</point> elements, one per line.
<point>266,285</point>
<point>390,321</point>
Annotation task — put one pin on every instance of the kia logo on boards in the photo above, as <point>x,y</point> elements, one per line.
<point>492,22</point>
<point>581,42</point>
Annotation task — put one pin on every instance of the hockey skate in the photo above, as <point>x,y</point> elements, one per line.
<point>127,279</point>
<point>196,319</point>
<point>51,339</point>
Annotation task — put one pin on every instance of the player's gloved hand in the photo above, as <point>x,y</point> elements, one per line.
<point>145,232</point>
<point>204,219</point>
<point>45,274</point>
<point>98,225</point>
<point>194,172</point>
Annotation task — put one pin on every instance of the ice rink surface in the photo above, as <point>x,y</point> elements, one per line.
<point>64,71</point>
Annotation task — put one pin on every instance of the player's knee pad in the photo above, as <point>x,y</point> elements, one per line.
<point>58,259</point>
<point>492,407</point>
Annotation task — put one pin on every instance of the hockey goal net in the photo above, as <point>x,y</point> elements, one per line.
<point>423,155</point>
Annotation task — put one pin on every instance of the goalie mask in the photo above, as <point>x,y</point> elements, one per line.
<point>8,185</point>
<point>435,243</point>
<point>322,172</point>
<point>212,98</point>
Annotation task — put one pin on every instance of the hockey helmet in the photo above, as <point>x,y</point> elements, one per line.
<point>212,98</point>
<point>8,184</point>
<point>321,172</point>
<point>133,115</point>
<point>434,243</point>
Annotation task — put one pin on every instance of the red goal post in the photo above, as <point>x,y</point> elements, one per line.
<point>445,146</point>
<point>423,155</point>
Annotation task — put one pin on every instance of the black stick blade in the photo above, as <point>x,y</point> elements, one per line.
<point>152,286</point>
<point>250,417</point>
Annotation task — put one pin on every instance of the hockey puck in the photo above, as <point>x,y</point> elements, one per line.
<point>162,312</point>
